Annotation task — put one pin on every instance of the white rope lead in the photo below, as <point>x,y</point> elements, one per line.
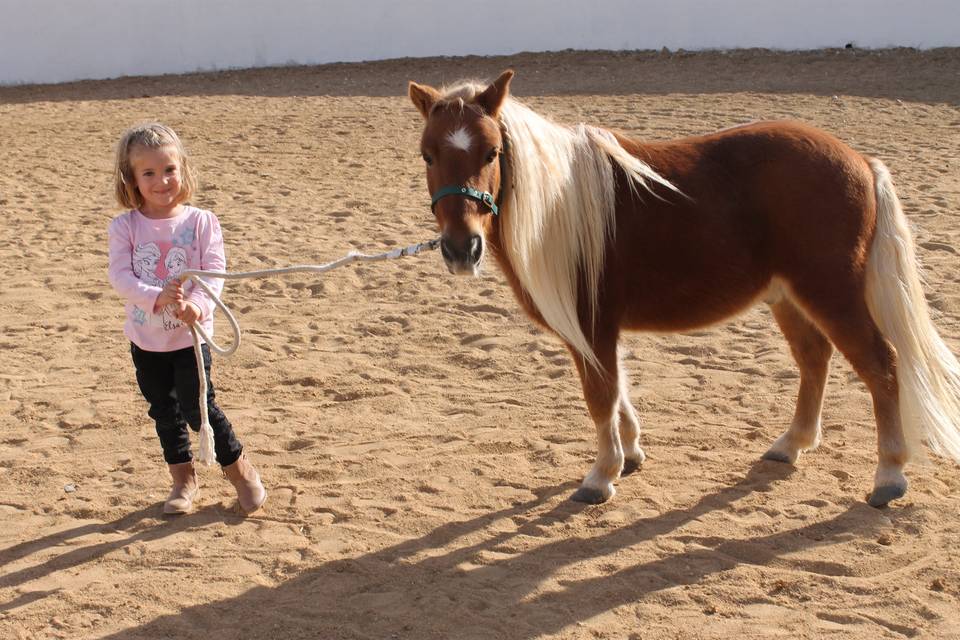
<point>207,455</point>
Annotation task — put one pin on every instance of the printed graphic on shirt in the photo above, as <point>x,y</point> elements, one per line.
<point>176,263</point>
<point>146,259</point>
<point>185,238</point>
<point>156,264</point>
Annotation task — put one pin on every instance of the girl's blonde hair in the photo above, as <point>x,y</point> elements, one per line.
<point>152,135</point>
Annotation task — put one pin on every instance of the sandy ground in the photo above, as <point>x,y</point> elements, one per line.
<point>417,435</point>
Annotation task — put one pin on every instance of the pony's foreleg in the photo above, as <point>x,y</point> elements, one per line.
<point>633,455</point>
<point>811,350</point>
<point>602,391</point>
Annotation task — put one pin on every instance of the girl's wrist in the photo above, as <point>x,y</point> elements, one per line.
<point>198,309</point>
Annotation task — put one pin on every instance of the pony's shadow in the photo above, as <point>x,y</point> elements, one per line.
<point>381,594</point>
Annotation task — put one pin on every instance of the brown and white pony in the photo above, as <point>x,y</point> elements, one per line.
<point>598,233</point>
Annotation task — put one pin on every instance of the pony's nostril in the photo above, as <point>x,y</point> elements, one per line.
<point>476,248</point>
<point>446,251</point>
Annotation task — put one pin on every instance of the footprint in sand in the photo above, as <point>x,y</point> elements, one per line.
<point>482,342</point>
<point>298,444</point>
<point>938,246</point>
<point>695,350</point>
<point>483,308</point>
<point>400,320</point>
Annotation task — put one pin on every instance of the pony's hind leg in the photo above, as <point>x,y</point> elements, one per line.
<point>629,424</point>
<point>602,391</point>
<point>847,322</point>
<point>812,352</point>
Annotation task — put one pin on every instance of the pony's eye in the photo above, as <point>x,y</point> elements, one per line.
<point>492,155</point>
<point>427,158</point>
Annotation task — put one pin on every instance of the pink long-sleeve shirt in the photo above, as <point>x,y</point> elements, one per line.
<point>145,254</point>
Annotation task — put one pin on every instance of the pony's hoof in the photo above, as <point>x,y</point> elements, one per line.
<point>629,466</point>
<point>777,456</point>
<point>589,496</point>
<point>882,495</point>
<point>633,462</point>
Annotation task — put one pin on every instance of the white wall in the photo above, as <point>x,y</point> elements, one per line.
<point>61,40</point>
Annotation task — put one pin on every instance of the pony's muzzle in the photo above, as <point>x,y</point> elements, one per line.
<point>462,258</point>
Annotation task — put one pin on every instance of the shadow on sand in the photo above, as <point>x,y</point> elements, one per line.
<point>371,596</point>
<point>144,525</point>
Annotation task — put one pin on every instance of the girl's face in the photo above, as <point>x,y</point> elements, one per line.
<point>156,172</point>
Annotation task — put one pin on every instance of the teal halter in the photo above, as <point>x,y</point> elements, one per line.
<point>467,192</point>
<point>475,194</point>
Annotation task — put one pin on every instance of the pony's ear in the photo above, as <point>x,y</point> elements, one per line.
<point>493,96</point>
<point>423,98</point>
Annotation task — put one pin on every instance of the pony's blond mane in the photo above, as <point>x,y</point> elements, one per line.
<point>558,210</point>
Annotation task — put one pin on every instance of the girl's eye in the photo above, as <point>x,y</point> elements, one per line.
<point>427,158</point>
<point>492,155</point>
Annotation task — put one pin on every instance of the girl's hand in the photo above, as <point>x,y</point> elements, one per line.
<point>172,294</point>
<point>189,313</point>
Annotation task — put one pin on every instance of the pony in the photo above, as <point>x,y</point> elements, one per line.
<point>598,233</point>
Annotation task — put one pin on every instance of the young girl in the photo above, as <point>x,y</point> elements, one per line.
<point>150,246</point>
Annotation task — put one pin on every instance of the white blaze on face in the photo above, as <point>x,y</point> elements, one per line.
<point>460,139</point>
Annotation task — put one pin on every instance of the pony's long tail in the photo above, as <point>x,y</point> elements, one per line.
<point>927,372</point>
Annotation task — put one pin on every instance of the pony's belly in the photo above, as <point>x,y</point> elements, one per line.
<point>685,308</point>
